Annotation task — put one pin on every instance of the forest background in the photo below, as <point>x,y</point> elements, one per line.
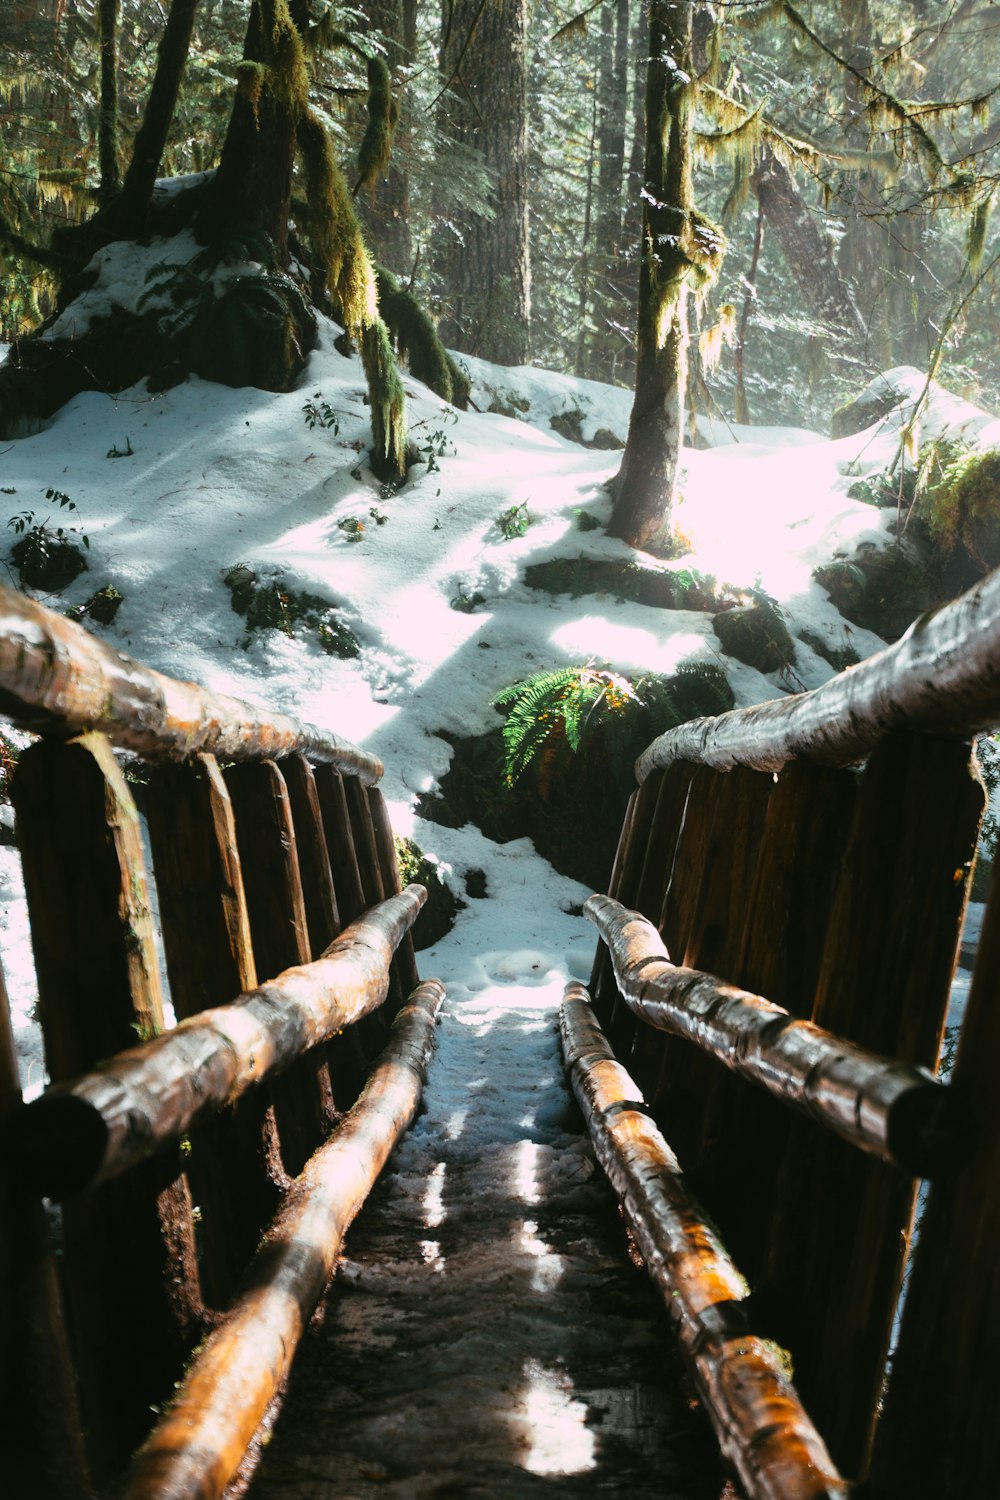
<point>843,150</point>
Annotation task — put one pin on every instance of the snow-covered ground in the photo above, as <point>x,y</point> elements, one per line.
<point>174,489</point>
<point>217,477</point>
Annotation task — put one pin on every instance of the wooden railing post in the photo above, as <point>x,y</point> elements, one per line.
<point>602,979</point>
<point>736,803</point>
<point>939,1435</point>
<point>346,862</point>
<point>385,847</point>
<point>794,873</point>
<point>629,865</point>
<point>841,1231</point>
<point>41,1437</point>
<point>129,1248</point>
<point>344,1055</point>
<point>234,1166</point>
<point>302,1097</point>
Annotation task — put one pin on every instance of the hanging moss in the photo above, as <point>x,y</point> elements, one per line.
<point>334,229</point>
<point>383,113</point>
<point>288,78</point>
<point>416,338</point>
<point>388,402</point>
<point>336,236</point>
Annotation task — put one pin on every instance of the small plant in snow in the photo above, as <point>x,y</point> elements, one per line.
<point>47,556</point>
<point>269,604</point>
<point>466,604</point>
<point>437,444</point>
<point>320,413</point>
<point>514,521</point>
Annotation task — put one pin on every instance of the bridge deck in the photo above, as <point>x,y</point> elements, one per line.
<point>487,1333</point>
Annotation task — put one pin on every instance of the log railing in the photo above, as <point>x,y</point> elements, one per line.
<point>295,1064</point>
<point>782,928</point>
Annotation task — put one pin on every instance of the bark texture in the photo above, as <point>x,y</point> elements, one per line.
<point>678,247</point>
<point>130,208</point>
<point>485,264</point>
<point>826,293</point>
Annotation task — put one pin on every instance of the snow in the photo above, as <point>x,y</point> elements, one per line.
<point>220,476</point>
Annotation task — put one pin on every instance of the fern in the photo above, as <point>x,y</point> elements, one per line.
<point>552,706</point>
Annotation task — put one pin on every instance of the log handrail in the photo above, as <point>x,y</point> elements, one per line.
<point>941,677</point>
<point>759,1422</point>
<point>56,678</point>
<point>82,1133</point>
<point>894,1110</point>
<point>199,1444</point>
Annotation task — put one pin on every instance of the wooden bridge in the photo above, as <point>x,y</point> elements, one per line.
<point>776,918</point>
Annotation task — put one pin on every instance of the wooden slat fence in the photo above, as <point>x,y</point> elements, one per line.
<point>285,935</point>
<point>784,916</point>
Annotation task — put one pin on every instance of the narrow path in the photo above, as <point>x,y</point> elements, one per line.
<point>487,1334</point>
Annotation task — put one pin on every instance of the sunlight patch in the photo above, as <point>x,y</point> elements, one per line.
<point>434,1210</point>
<point>548,1268</point>
<point>558,1440</point>
<point>594,637</point>
<point>526,1172</point>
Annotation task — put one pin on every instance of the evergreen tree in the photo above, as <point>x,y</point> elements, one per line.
<point>484,262</point>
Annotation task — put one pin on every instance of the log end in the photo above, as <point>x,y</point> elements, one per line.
<point>55,1146</point>
<point>928,1131</point>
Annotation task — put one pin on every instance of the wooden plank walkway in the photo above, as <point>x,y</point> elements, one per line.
<point>487,1333</point>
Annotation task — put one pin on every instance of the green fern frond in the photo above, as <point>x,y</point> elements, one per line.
<point>565,704</point>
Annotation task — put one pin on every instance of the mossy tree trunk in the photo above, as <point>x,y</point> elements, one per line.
<point>253,185</point>
<point>107,123</point>
<point>677,247</point>
<point>129,211</point>
<point>385,212</point>
<point>806,252</point>
<point>614,292</point>
<point>486,273</point>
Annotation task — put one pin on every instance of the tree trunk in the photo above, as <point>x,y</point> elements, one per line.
<point>614,290</point>
<point>486,273</point>
<point>812,266</point>
<point>676,244</point>
<point>741,406</point>
<point>107,126</point>
<point>253,186</point>
<point>385,212</point>
<point>137,190</point>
